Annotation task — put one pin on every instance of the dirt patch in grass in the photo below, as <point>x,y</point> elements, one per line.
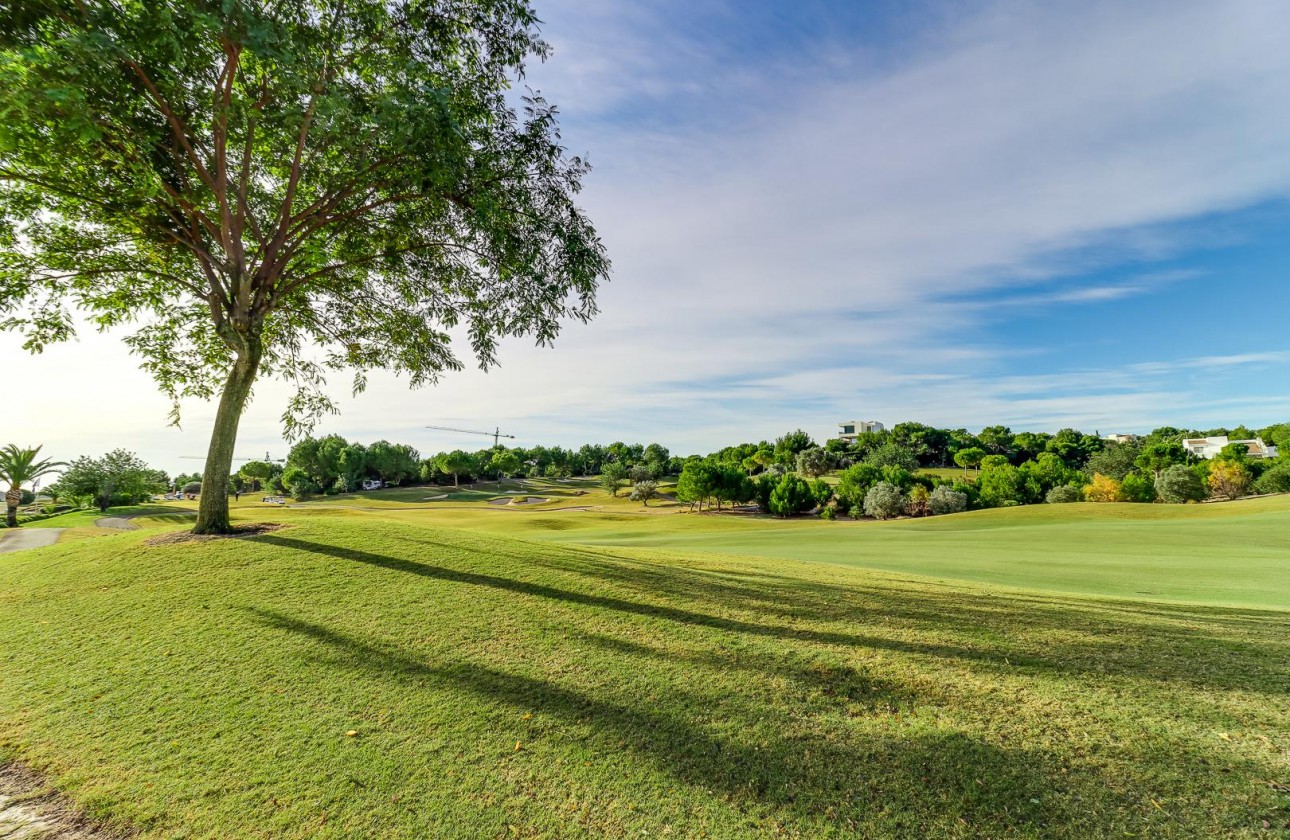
<point>29,808</point>
<point>240,532</point>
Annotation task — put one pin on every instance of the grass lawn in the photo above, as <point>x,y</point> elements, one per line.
<point>507,687</point>
<point>87,518</point>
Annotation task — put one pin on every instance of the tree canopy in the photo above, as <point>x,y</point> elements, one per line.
<point>290,189</point>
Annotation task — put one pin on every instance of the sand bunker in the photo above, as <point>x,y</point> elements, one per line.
<point>519,500</point>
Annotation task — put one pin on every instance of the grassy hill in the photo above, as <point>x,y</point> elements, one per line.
<point>499,686</point>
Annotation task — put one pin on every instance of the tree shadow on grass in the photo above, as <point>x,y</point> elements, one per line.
<point>832,784</point>
<point>1005,634</point>
<point>606,602</point>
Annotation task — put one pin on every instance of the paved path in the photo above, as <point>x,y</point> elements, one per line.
<point>20,539</point>
<point>123,523</point>
<point>118,523</point>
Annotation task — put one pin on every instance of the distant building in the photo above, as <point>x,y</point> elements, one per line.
<point>1121,438</point>
<point>852,429</point>
<point>1208,447</point>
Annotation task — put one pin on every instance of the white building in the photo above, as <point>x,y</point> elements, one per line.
<point>1120,438</point>
<point>1208,447</point>
<point>852,429</point>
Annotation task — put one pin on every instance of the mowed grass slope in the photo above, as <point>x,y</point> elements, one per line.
<point>1235,554</point>
<point>509,688</point>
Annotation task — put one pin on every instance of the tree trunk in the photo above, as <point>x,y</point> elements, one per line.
<point>12,499</point>
<point>212,508</point>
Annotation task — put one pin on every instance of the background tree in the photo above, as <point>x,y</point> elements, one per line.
<point>697,482</point>
<point>997,440</point>
<point>393,463</point>
<point>656,459</point>
<point>970,457</point>
<point>455,463</point>
<point>119,477</point>
<point>644,490</point>
<point>787,447</point>
<point>1180,484</point>
<point>613,476</point>
<point>791,495</point>
<point>893,455</point>
<point>249,181</point>
<point>506,464</point>
<point>1157,457</point>
<point>854,483</point>
<point>1137,487</point>
<point>1229,479</point>
<point>1275,480</point>
<point>1103,488</point>
<point>259,472</point>
<point>1002,485</point>
<point>20,466</point>
<point>814,462</point>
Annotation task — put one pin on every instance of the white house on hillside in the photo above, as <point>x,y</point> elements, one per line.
<point>1120,438</point>
<point>1208,447</point>
<point>852,429</point>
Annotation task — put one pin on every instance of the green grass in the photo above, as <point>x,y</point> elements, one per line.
<point>84,518</point>
<point>206,689</point>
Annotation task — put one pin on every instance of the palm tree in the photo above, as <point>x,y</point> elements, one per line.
<point>17,467</point>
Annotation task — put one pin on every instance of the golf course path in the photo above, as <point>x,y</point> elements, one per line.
<point>123,523</point>
<point>118,523</point>
<point>20,539</point>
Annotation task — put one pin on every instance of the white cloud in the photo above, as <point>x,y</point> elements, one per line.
<point>799,241</point>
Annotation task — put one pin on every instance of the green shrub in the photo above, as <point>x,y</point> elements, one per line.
<point>918,503</point>
<point>1275,480</point>
<point>829,512</point>
<point>1063,495</point>
<point>302,489</point>
<point>855,482</point>
<point>945,500</point>
<point>792,495</point>
<point>1179,484</point>
<point>1002,484</point>
<point>1138,488</point>
<point>884,501</point>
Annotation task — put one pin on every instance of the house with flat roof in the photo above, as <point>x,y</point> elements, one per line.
<point>851,429</point>
<point>1208,447</point>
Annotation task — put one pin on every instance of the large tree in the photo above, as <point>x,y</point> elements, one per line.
<point>286,189</point>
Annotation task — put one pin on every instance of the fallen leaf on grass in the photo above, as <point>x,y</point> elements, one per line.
<point>351,733</point>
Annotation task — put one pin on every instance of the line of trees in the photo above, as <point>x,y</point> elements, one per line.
<point>879,474</point>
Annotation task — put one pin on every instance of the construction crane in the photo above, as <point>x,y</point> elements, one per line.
<point>495,434</point>
<point>265,458</point>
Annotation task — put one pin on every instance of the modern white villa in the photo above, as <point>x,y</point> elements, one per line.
<point>852,429</point>
<point>1208,447</point>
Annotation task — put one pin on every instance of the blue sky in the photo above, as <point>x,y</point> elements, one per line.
<point>963,213</point>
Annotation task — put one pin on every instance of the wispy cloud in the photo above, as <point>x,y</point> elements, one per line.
<point>811,235</point>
